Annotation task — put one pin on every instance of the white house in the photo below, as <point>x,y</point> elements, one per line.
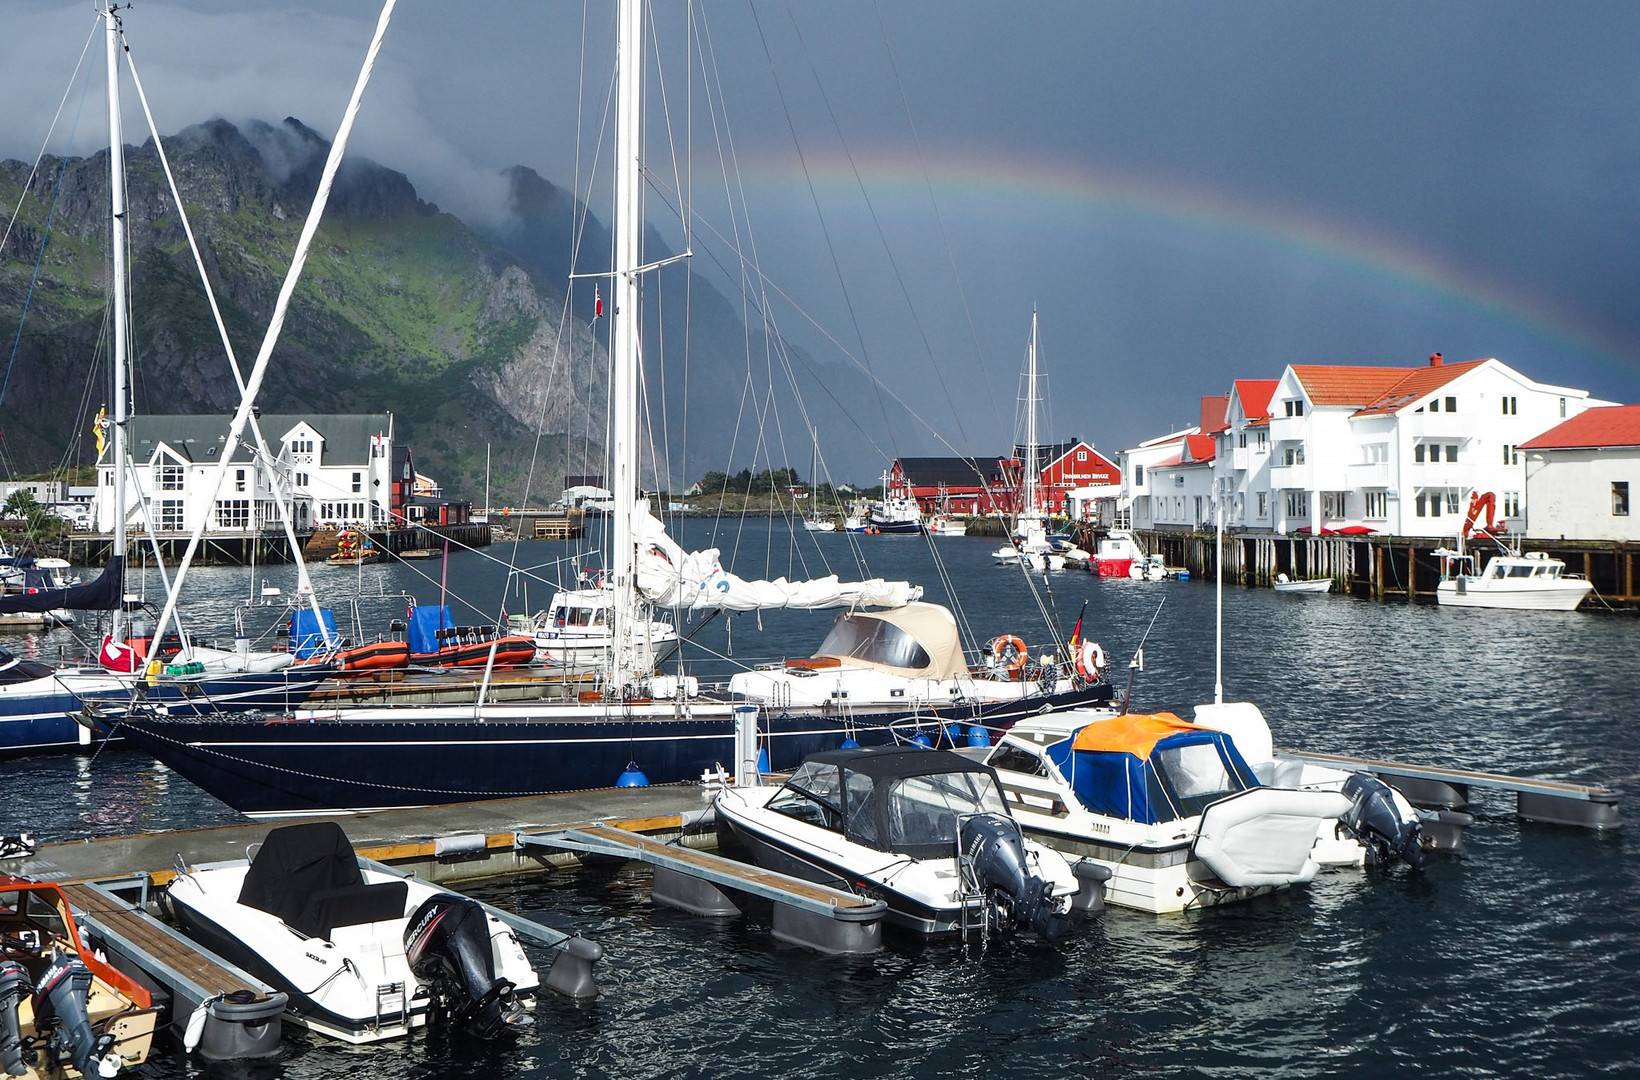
<point>1582,477</point>
<point>1241,463</point>
<point>329,469</point>
<point>1137,463</point>
<point>1182,485</point>
<point>1398,450</point>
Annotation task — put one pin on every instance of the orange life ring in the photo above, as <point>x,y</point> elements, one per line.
<point>1010,653</point>
<point>1090,660</point>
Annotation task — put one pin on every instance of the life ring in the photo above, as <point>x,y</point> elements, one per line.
<point>1009,653</point>
<point>1090,660</point>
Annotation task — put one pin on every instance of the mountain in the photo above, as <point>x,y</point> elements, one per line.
<point>460,332</point>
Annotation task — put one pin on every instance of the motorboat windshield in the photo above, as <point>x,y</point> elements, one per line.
<point>910,802</point>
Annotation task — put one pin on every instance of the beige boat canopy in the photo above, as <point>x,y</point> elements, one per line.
<point>918,639</point>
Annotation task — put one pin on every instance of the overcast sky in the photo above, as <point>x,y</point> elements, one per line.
<point>1188,192</point>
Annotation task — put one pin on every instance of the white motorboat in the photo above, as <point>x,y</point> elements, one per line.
<point>911,657</point>
<point>1176,814</point>
<point>1148,568</point>
<point>1284,584</point>
<point>924,830</point>
<point>364,955</point>
<point>575,634</point>
<point>944,525</point>
<point>819,524</point>
<point>1532,581</point>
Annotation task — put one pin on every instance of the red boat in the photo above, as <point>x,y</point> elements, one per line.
<point>376,656</point>
<point>471,646</point>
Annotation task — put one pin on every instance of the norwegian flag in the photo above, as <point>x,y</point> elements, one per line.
<point>597,303</point>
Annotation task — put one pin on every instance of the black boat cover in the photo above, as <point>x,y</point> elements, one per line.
<point>309,877</point>
<point>100,594</point>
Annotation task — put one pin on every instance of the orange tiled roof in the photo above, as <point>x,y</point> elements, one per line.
<point>1418,384</point>
<point>1255,395</point>
<point>1338,384</point>
<point>1610,425</point>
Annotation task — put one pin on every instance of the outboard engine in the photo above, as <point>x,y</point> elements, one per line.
<point>14,988</point>
<point>1378,820</point>
<point>994,846</point>
<point>60,1003</point>
<point>448,946</point>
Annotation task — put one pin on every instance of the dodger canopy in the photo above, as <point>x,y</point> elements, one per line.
<point>891,799</point>
<point>919,639</point>
<point>1150,768</point>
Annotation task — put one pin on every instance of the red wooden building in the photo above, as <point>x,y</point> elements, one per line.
<point>993,485</point>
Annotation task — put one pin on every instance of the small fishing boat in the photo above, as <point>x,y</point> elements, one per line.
<point>364,955</point>
<point>1514,581</point>
<point>63,1010</point>
<point>1284,584</point>
<point>924,830</point>
<point>420,553</point>
<point>1180,818</point>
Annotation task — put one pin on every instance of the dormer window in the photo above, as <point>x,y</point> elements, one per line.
<point>1295,408</point>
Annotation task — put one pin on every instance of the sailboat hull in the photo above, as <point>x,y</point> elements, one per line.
<point>350,762</point>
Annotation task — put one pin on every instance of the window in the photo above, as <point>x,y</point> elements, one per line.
<point>233,513</point>
<point>239,479</point>
<point>1563,408</point>
<point>1374,453</point>
<point>168,477</point>
<point>1511,455</point>
<point>1333,503</point>
<point>1451,404</point>
<point>1138,476</point>
<point>1294,408</point>
<point>1178,479</point>
<point>1435,405</point>
<point>170,515</point>
<point>1620,498</point>
<point>1293,455</point>
<point>1452,501</point>
<point>1241,440</point>
<point>301,479</point>
<point>1511,406</point>
<point>1298,504</point>
<point>1263,439</point>
<point>1263,505</point>
<point>1418,452</point>
<point>1452,451</point>
<point>1422,510</point>
<point>1511,504</point>
<point>1081,455</point>
<point>1377,504</point>
<point>358,483</point>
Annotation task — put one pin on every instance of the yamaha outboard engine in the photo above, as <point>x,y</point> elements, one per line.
<point>60,1003</point>
<point>448,946</point>
<point>995,848</point>
<point>1379,823</point>
<point>14,988</point>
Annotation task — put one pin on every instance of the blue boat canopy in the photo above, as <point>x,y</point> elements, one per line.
<point>426,620</point>
<point>1150,768</point>
<point>307,635</point>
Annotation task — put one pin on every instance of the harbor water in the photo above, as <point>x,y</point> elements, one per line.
<point>1519,957</point>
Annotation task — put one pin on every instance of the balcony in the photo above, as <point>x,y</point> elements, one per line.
<point>1290,476</point>
<point>1289,428</point>
<point>1372,474</point>
<point>1441,474</point>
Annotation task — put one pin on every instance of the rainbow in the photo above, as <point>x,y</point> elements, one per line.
<point>982,186</point>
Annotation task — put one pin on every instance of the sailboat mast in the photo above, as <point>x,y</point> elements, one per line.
<point>623,403</point>
<point>117,247</point>
<point>1031,471</point>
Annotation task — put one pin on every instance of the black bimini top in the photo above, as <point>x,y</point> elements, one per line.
<point>890,762</point>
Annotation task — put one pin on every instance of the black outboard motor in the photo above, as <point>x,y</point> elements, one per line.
<point>448,946</point>
<point>60,1003</point>
<point>1378,823</point>
<point>14,989</point>
<point>995,848</point>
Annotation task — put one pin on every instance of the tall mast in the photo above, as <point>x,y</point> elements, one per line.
<point>623,391</point>
<point>1031,471</point>
<point>117,246</point>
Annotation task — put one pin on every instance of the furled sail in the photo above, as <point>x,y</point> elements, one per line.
<point>103,593</point>
<point>669,577</point>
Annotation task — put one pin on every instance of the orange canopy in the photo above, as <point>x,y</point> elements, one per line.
<point>1132,733</point>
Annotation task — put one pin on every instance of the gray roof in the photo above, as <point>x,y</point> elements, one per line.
<point>199,438</point>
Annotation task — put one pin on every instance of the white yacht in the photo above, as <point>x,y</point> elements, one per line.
<point>1526,582</point>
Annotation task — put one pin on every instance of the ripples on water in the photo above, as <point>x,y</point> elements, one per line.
<point>1519,958</point>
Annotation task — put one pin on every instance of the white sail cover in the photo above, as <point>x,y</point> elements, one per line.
<point>669,577</point>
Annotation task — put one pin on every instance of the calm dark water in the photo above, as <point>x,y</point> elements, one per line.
<point>1519,958</point>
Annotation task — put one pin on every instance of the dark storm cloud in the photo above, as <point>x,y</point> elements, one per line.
<point>1468,174</point>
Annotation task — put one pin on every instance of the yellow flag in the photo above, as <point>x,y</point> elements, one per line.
<point>97,429</point>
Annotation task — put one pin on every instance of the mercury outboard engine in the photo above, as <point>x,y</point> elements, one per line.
<point>60,1004</point>
<point>1378,821</point>
<point>14,988</point>
<point>448,946</point>
<point>994,846</point>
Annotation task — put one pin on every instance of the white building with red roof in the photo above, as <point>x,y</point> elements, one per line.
<point>1582,476</point>
<point>1181,478</point>
<point>1398,450</point>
